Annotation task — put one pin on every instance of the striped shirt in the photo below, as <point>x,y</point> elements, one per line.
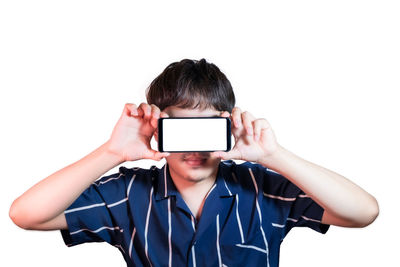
<point>245,217</point>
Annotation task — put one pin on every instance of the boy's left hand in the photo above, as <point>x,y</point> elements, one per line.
<point>254,138</point>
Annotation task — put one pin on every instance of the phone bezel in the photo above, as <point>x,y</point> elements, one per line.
<point>160,134</point>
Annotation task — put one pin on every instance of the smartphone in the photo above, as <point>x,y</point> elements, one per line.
<point>194,134</point>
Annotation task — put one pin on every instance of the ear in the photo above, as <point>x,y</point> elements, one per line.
<point>224,114</point>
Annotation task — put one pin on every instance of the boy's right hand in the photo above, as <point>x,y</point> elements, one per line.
<point>131,137</point>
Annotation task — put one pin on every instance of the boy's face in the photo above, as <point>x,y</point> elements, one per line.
<point>192,166</point>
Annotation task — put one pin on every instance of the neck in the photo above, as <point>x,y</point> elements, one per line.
<point>194,192</point>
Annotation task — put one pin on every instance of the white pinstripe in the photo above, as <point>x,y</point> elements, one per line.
<point>169,234</point>
<point>209,192</point>
<point>117,203</point>
<point>193,224</point>
<point>104,204</point>
<point>285,198</point>
<point>165,180</point>
<point>305,218</point>
<point>260,215</point>
<point>106,181</point>
<point>278,225</point>
<point>218,249</point>
<point>310,219</point>
<point>169,218</point>
<point>97,230</point>
<point>226,186</point>
<point>130,185</point>
<point>146,245</point>
<point>237,212</point>
<point>127,193</point>
<point>131,243</point>
<point>279,197</point>
<point>193,252</point>
<point>252,247</point>
<point>85,207</point>
<point>238,219</point>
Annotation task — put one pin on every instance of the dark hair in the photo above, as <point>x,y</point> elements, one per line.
<point>192,84</point>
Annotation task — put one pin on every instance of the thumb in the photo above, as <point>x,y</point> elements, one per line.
<point>129,110</point>
<point>156,155</point>
<point>232,154</point>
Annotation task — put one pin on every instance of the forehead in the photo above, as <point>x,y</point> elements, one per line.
<point>173,111</point>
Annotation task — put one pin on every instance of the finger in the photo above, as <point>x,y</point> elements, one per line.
<point>130,110</point>
<point>236,117</point>
<point>162,115</point>
<point>258,125</point>
<point>140,111</point>
<point>155,114</point>
<point>156,155</point>
<point>247,119</point>
<point>232,154</point>
<point>134,111</point>
<point>145,110</point>
<point>219,154</point>
<point>160,155</point>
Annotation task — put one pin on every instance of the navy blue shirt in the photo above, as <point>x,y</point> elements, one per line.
<point>245,217</point>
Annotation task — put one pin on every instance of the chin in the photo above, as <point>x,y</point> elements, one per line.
<point>195,172</point>
<point>195,179</point>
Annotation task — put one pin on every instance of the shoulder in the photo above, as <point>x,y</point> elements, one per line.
<point>247,175</point>
<point>246,169</point>
<point>126,176</point>
<point>265,179</point>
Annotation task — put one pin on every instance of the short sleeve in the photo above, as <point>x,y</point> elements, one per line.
<point>297,208</point>
<point>90,217</point>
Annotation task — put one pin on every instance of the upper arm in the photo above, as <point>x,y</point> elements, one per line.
<point>331,219</point>
<point>26,221</point>
<point>57,223</point>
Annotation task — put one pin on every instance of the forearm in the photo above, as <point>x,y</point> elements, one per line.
<point>336,194</point>
<point>51,196</point>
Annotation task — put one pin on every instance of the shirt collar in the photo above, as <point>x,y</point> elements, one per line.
<point>166,186</point>
<point>226,182</point>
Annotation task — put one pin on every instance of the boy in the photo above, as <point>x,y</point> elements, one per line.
<point>196,210</point>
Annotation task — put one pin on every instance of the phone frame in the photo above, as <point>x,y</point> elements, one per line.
<point>161,141</point>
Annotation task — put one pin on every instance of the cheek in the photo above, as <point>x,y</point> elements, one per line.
<point>173,158</point>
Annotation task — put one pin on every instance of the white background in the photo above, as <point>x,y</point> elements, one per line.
<point>324,73</point>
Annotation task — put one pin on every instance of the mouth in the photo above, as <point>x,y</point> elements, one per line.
<point>195,161</point>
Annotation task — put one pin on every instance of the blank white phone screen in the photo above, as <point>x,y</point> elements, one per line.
<point>194,134</point>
